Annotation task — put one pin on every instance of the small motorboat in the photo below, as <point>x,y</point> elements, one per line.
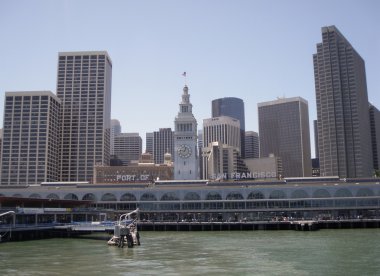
<point>125,231</point>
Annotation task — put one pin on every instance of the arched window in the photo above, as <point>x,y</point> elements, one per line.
<point>52,196</point>
<point>34,196</point>
<point>89,196</point>
<point>299,194</point>
<point>343,193</point>
<point>108,197</point>
<point>148,197</point>
<point>192,196</point>
<point>277,194</point>
<point>213,196</point>
<point>17,195</point>
<point>128,197</point>
<point>321,193</point>
<point>234,196</point>
<point>169,196</point>
<point>256,195</point>
<point>71,196</point>
<point>364,192</point>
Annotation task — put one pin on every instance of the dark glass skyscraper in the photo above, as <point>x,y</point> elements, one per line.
<point>232,107</point>
<point>374,115</point>
<point>344,139</point>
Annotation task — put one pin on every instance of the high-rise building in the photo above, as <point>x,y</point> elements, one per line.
<point>231,107</point>
<point>149,142</point>
<point>284,132</point>
<point>30,138</point>
<point>128,147</point>
<point>344,139</point>
<point>222,129</point>
<point>115,130</point>
<point>252,144</point>
<point>163,142</point>
<point>84,87</point>
<point>374,115</point>
<point>185,140</point>
<point>315,123</point>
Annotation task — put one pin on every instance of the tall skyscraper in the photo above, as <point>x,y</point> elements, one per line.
<point>284,132</point>
<point>342,107</point>
<point>232,107</point>
<point>252,144</point>
<point>115,130</point>
<point>374,115</point>
<point>30,138</point>
<point>185,140</point>
<point>128,147</point>
<point>163,142</point>
<point>149,142</point>
<point>84,87</point>
<point>222,129</point>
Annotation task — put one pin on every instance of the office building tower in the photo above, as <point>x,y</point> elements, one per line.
<point>374,115</point>
<point>252,144</point>
<point>128,147</point>
<point>30,138</point>
<point>200,147</point>
<point>222,129</point>
<point>115,130</point>
<point>149,142</point>
<point>231,107</point>
<point>344,138</point>
<point>84,87</point>
<point>315,124</point>
<point>1,142</point>
<point>284,132</point>
<point>185,140</point>
<point>163,142</point>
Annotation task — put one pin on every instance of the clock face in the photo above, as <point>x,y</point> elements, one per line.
<point>184,151</point>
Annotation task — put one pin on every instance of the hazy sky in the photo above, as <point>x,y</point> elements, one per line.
<point>253,50</point>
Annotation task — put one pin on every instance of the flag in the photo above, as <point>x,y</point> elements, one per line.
<point>184,74</point>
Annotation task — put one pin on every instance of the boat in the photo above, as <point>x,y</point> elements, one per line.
<point>125,231</point>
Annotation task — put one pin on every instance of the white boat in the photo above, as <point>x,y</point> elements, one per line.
<point>125,231</point>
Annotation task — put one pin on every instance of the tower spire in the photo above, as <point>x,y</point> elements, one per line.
<point>184,75</point>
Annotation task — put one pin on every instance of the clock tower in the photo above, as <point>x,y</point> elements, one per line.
<point>185,141</point>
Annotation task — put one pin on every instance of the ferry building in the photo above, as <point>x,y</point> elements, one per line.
<point>201,200</point>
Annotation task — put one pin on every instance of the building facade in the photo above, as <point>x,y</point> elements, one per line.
<point>284,132</point>
<point>84,87</point>
<point>252,145</point>
<point>231,107</point>
<point>149,142</point>
<point>374,115</point>
<point>115,130</point>
<point>342,107</point>
<point>163,142</point>
<point>128,147</point>
<point>30,138</point>
<point>185,141</point>
<point>222,129</point>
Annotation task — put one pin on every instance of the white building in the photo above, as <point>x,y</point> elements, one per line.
<point>185,141</point>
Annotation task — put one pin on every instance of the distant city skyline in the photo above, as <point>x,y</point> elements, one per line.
<point>253,50</point>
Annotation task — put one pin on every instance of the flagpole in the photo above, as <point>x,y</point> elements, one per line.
<point>184,74</point>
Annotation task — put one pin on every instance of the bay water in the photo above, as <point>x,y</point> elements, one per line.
<point>324,252</point>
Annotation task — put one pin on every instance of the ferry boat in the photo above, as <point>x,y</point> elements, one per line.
<point>125,231</point>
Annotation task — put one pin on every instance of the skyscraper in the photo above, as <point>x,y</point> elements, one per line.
<point>185,140</point>
<point>30,138</point>
<point>163,142</point>
<point>222,129</point>
<point>252,144</point>
<point>128,147</point>
<point>315,124</point>
<point>115,130</point>
<point>284,132</point>
<point>234,108</point>
<point>374,115</point>
<point>84,87</point>
<point>149,142</point>
<point>342,107</point>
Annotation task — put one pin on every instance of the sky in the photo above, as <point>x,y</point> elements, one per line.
<point>256,50</point>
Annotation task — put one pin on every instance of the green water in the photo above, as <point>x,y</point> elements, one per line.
<point>325,252</point>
